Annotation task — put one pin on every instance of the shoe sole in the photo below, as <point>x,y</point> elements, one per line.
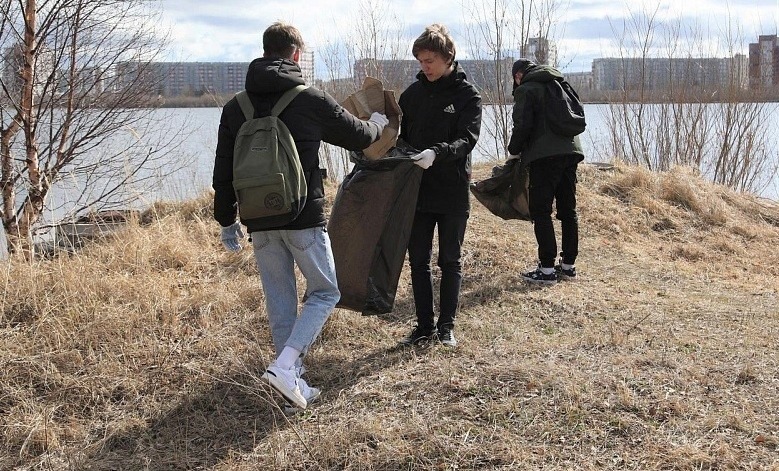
<point>281,388</point>
<point>289,409</point>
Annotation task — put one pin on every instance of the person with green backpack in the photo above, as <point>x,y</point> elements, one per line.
<point>267,175</point>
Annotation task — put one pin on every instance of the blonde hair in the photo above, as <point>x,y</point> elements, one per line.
<point>436,39</point>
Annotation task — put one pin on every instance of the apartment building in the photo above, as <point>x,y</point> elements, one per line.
<point>200,78</point>
<point>580,81</point>
<point>663,74</point>
<point>764,62</point>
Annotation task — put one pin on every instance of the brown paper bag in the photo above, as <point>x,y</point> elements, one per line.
<point>368,100</point>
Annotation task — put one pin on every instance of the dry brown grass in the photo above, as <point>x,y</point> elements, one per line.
<point>145,352</point>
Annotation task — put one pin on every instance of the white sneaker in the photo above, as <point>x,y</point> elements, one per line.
<point>310,393</point>
<point>286,383</point>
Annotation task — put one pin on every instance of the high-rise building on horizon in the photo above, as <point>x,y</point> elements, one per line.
<point>764,62</point>
<point>306,64</point>
<point>541,51</point>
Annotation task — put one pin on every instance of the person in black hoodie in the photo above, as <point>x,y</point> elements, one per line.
<point>552,161</point>
<point>312,116</point>
<point>442,115</point>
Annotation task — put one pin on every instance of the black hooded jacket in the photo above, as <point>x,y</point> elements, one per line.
<point>445,116</point>
<point>312,117</point>
<point>531,136</point>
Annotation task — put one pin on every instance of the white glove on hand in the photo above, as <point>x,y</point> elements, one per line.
<point>380,120</point>
<point>514,156</point>
<point>231,236</point>
<point>425,158</point>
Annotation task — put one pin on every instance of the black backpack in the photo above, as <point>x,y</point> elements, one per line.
<point>564,111</point>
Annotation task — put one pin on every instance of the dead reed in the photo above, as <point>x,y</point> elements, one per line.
<point>144,351</point>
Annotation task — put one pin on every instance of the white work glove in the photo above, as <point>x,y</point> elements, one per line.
<point>231,235</point>
<point>380,120</point>
<point>425,158</point>
<point>514,156</point>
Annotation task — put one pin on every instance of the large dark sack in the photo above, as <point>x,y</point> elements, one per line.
<point>369,228</point>
<point>505,193</point>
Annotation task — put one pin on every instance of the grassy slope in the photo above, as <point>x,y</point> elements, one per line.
<point>145,352</point>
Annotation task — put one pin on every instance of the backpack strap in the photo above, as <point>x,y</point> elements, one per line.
<point>248,109</point>
<point>246,104</point>
<point>286,98</point>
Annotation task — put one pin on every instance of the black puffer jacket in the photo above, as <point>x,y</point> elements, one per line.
<point>312,117</point>
<point>531,136</point>
<point>445,116</point>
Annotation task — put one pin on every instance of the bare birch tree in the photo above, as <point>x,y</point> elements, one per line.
<point>76,96</point>
<point>545,17</point>
<point>491,36</point>
<point>373,44</point>
<point>495,31</point>
<point>678,106</point>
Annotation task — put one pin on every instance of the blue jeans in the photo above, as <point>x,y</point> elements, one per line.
<point>276,253</point>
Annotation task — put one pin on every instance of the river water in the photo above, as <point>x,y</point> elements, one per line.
<point>191,164</point>
<point>193,160</point>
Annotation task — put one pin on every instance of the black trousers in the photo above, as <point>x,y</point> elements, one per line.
<point>553,179</point>
<point>451,232</point>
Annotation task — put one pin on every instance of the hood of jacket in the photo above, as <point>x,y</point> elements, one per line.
<point>455,77</point>
<point>541,73</point>
<point>272,75</point>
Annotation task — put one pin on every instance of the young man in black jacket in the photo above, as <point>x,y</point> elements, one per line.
<point>312,116</point>
<point>442,115</point>
<point>552,161</point>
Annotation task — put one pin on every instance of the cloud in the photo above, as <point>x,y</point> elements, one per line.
<point>203,30</point>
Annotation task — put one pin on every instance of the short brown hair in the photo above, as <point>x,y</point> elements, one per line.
<point>281,40</point>
<point>435,38</point>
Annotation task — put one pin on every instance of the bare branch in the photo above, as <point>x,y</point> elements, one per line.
<point>84,95</point>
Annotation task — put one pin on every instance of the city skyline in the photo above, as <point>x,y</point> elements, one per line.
<point>704,75</point>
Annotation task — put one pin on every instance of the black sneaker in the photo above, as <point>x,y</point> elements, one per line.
<point>540,278</point>
<point>446,337</point>
<point>419,335</point>
<point>563,274</point>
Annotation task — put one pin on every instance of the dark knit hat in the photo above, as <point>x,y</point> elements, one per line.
<point>521,65</point>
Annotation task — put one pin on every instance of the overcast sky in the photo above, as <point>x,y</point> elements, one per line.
<point>205,30</point>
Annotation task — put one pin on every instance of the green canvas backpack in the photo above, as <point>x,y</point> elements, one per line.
<point>268,180</point>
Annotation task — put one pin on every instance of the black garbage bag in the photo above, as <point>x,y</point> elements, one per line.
<point>505,193</point>
<point>369,228</point>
